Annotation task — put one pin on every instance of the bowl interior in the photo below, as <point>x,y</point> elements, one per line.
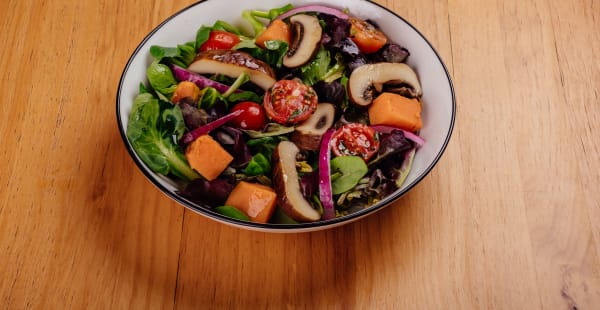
<point>438,95</point>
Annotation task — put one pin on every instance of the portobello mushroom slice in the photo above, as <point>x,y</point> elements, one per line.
<point>367,79</point>
<point>307,135</point>
<point>287,184</point>
<point>306,36</point>
<point>233,63</point>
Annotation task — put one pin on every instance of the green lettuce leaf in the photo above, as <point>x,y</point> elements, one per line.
<point>182,55</point>
<point>161,79</point>
<point>322,69</point>
<point>258,165</point>
<point>153,133</point>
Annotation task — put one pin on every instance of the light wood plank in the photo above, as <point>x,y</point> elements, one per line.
<point>523,99</point>
<point>74,231</point>
<point>509,219</point>
<point>489,118</point>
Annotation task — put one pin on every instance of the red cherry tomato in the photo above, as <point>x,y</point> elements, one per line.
<point>289,102</point>
<point>220,40</point>
<point>355,139</point>
<point>368,38</point>
<point>252,117</point>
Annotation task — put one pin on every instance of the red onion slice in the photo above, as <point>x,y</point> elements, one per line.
<point>325,177</point>
<point>314,8</point>
<point>409,135</point>
<point>202,130</point>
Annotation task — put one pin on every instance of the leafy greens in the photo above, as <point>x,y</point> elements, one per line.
<point>152,130</point>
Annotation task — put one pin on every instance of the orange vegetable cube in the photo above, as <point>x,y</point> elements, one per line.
<point>396,110</point>
<point>256,200</point>
<point>185,89</point>
<point>277,30</point>
<point>207,157</point>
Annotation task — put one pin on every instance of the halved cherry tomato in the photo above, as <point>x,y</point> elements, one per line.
<point>368,38</point>
<point>220,40</point>
<point>289,102</point>
<point>355,139</point>
<point>252,117</point>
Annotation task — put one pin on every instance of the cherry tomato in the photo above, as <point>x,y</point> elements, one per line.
<point>355,139</point>
<point>289,102</point>
<point>252,117</point>
<point>368,38</point>
<point>220,40</point>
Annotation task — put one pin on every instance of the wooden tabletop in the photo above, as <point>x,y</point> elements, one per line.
<point>508,219</point>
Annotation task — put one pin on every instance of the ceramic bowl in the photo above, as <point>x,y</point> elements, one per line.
<point>438,113</point>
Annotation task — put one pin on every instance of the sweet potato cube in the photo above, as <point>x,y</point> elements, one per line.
<point>277,30</point>
<point>186,89</point>
<point>396,110</point>
<point>256,200</point>
<point>207,157</point>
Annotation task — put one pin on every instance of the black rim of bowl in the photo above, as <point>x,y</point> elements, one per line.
<point>281,227</point>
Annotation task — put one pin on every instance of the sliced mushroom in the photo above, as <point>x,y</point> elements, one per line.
<point>306,36</point>
<point>400,89</point>
<point>287,185</point>
<point>367,79</point>
<point>307,135</point>
<point>233,63</point>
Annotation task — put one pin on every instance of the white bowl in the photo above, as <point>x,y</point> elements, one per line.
<point>439,105</point>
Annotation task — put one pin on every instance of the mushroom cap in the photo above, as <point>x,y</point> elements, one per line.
<point>287,185</point>
<point>306,36</point>
<point>367,78</point>
<point>233,63</point>
<point>308,134</point>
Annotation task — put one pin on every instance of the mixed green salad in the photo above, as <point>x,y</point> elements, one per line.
<point>312,116</point>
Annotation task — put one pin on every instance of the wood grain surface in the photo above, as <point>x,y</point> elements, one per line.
<point>509,219</point>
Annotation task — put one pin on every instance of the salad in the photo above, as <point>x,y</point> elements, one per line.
<point>312,116</point>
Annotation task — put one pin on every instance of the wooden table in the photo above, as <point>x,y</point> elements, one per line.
<point>509,219</point>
